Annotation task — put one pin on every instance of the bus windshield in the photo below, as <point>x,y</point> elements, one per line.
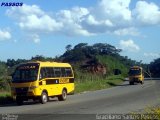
<point>135,72</point>
<point>25,73</point>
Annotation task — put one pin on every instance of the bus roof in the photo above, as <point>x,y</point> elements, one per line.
<point>49,64</point>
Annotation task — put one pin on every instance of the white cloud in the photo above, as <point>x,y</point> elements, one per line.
<point>37,21</point>
<point>43,23</point>
<point>116,9</point>
<point>129,45</point>
<point>107,16</point>
<point>25,10</point>
<point>35,38</point>
<point>71,19</point>
<point>153,55</point>
<point>147,13</point>
<point>4,35</point>
<point>75,14</point>
<point>74,21</point>
<point>32,18</point>
<point>127,31</point>
<point>95,27</point>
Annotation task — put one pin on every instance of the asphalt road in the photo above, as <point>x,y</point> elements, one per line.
<point>121,99</point>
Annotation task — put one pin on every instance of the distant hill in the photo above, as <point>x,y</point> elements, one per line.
<point>103,55</point>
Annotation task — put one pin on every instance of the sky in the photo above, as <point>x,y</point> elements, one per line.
<point>46,27</point>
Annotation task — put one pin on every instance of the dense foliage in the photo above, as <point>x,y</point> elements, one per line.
<point>3,76</point>
<point>155,68</point>
<point>83,51</point>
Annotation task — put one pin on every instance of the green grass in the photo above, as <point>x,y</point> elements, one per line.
<point>149,113</point>
<point>152,113</point>
<point>113,63</point>
<point>4,93</point>
<point>5,97</point>
<point>92,85</point>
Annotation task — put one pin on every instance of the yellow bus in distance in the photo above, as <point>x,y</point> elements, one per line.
<point>136,75</point>
<point>41,80</point>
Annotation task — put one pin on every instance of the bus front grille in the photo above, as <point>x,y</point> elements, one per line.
<point>22,91</point>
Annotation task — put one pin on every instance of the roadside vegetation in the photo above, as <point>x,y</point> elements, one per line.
<point>152,111</point>
<point>92,85</point>
<point>5,97</point>
<point>149,113</point>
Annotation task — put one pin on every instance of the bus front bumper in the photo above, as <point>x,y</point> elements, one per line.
<point>138,80</point>
<point>23,91</point>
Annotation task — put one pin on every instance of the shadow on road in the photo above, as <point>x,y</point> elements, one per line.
<point>114,85</point>
<point>126,83</point>
<point>30,102</point>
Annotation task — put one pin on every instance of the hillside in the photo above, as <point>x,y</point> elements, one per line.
<point>103,55</point>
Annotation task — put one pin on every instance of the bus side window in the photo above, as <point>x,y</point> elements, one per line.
<point>50,72</point>
<point>42,73</point>
<point>63,72</point>
<point>57,72</point>
<point>68,72</point>
<point>47,72</point>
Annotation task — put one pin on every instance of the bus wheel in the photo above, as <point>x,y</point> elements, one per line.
<point>141,82</point>
<point>19,100</point>
<point>131,83</point>
<point>44,97</point>
<point>63,97</point>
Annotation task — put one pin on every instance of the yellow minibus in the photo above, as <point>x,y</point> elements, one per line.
<point>136,75</point>
<point>41,80</point>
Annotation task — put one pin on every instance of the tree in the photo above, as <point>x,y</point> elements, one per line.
<point>3,76</point>
<point>68,47</point>
<point>11,62</point>
<point>38,58</point>
<point>106,49</point>
<point>83,51</point>
<point>80,46</point>
<point>155,68</point>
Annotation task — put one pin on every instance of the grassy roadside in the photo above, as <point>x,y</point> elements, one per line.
<point>4,93</point>
<point>92,85</point>
<point>149,113</point>
<point>154,112</point>
<point>5,97</point>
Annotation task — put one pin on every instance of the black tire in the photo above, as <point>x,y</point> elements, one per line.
<point>44,98</point>
<point>141,82</point>
<point>63,96</point>
<point>131,83</point>
<point>35,100</point>
<point>19,100</point>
